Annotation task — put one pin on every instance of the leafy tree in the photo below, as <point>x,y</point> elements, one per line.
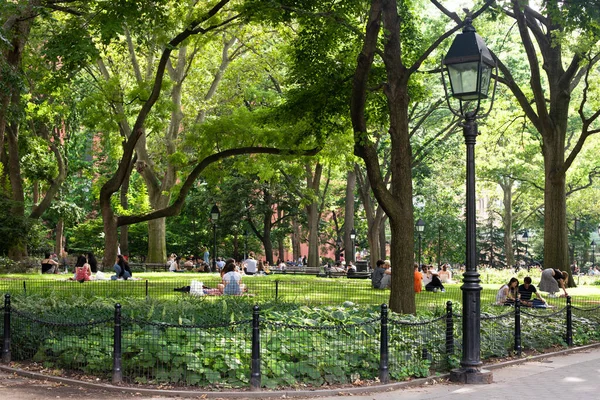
<point>561,45</point>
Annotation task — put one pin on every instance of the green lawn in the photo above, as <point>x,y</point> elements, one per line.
<point>302,289</point>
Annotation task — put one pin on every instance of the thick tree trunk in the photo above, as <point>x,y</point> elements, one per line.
<point>313,182</point>
<point>556,243</point>
<point>58,243</point>
<point>157,248</point>
<point>110,234</point>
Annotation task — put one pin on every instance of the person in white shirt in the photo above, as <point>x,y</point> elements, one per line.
<point>250,264</point>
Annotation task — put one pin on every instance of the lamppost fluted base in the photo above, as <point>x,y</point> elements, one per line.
<point>473,376</point>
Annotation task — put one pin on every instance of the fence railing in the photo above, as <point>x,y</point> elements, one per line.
<point>258,352</point>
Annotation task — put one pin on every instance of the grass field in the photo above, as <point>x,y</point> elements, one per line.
<point>301,289</point>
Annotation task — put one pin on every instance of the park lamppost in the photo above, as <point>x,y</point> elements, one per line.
<point>420,226</point>
<point>469,65</point>
<point>353,238</point>
<point>214,217</point>
<point>525,238</point>
<point>593,246</point>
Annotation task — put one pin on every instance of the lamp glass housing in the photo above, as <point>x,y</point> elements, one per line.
<point>420,225</point>
<point>469,64</point>
<point>215,213</point>
<point>352,234</point>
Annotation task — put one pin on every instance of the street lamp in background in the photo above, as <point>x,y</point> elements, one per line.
<point>353,238</point>
<point>525,238</point>
<point>593,246</point>
<point>420,226</point>
<point>214,217</point>
<point>469,65</point>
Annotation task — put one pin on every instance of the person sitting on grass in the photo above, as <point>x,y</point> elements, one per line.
<point>435,285</point>
<point>508,293</point>
<point>122,269</point>
<point>232,280</point>
<point>418,283</point>
<point>526,290</point>
<point>49,266</point>
<point>83,271</point>
<point>382,276</point>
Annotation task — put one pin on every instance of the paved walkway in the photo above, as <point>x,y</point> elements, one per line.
<point>576,375</point>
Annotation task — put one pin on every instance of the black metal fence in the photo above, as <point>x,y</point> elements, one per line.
<point>257,352</point>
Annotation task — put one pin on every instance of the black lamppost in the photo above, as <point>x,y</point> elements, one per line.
<point>469,65</point>
<point>593,246</point>
<point>214,217</point>
<point>420,226</point>
<point>353,238</point>
<point>338,248</point>
<point>525,238</point>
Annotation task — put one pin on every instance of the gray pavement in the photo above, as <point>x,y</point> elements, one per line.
<point>572,375</point>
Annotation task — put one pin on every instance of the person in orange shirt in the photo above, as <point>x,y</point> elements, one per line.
<point>418,279</point>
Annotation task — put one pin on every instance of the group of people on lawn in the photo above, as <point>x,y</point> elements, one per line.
<point>428,277</point>
<point>551,281</point>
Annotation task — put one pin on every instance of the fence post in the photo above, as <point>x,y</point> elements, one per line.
<point>146,289</point>
<point>384,372</point>
<point>255,376</point>
<point>117,376</point>
<point>569,322</point>
<point>6,341</point>
<point>24,288</point>
<point>276,289</point>
<point>449,330</point>
<point>518,327</point>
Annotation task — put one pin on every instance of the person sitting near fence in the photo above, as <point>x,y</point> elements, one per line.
<point>91,259</point>
<point>263,268</point>
<point>172,263</point>
<point>418,279</point>
<point>435,285</point>
<point>508,292</point>
<point>351,271</point>
<point>250,264</point>
<point>338,267</point>
<point>526,291</point>
<point>552,279</point>
<point>122,269</point>
<point>445,275</point>
<point>232,280</point>
<point>426,275</point>
<point>382,276</point>
<point>83,271</point>
<point>49,266</point>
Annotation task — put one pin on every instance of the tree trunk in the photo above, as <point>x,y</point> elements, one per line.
<point>507,221</point>
<point>349,214</point>
<point>556,242</point>
<point>296,240</point>
<point>313,181</point>
<point>58,243</point>
<point>382,242</point>
<point>157,248</point>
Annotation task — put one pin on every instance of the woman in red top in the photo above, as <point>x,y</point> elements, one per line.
<point>82,270</point>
